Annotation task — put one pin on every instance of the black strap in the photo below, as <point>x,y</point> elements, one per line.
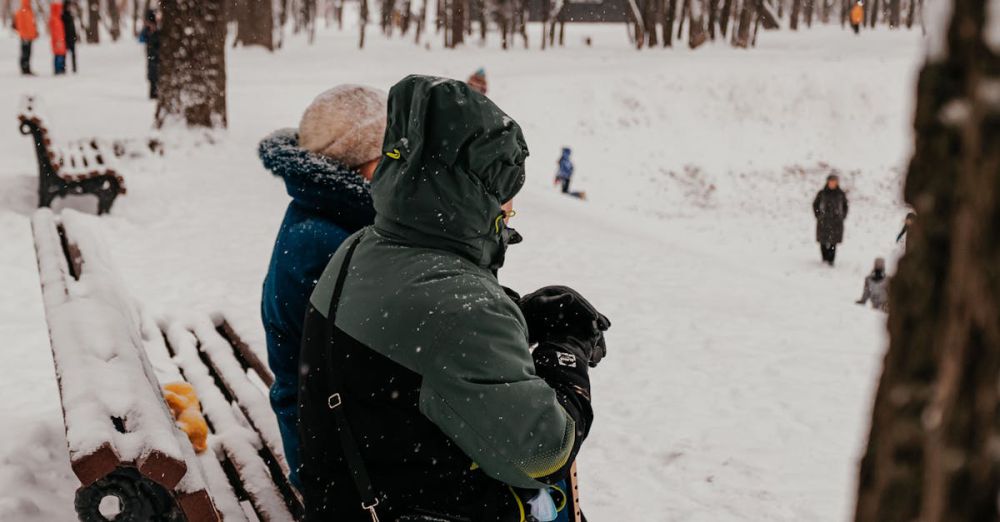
<point>359,472</point>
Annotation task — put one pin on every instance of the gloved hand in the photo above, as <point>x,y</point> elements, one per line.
<point>556,313</point>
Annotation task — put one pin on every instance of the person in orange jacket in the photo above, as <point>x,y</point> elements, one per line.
<point>24,24</point>
<point>857,15</point>
<point>58,32</point>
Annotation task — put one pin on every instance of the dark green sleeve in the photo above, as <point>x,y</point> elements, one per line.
<point>481,389</point>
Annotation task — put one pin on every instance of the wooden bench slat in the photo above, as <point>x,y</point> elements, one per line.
<point>234,438</point>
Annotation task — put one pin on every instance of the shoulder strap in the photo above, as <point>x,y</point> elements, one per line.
<point>355,462</point>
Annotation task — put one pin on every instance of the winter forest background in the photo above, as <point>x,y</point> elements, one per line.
<point>742,381</point>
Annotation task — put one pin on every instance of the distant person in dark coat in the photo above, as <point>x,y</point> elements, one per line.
<point>876,287</point>
<point>830,209</point>
<point>150,36</point>
<point>326,167</point>
<point>69,27</point>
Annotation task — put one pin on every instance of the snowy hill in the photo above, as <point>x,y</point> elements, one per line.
<point>739,371</point>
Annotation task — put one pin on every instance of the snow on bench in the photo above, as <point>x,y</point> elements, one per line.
<point>111,360</point>
<point>118,427</point>
<point>245,430</point>
<point>84,167</point>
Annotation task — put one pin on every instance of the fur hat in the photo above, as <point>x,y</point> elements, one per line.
<point>346,123</point>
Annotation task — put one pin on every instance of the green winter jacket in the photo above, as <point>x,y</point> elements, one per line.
<point>422,290</point>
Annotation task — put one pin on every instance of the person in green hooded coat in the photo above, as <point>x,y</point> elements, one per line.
<point>428,391</point>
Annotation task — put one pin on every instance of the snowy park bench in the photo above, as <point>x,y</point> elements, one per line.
<point>111,361</point>
<point>81,167</point>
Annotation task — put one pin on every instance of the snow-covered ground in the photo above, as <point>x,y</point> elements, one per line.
<point>739,373</point>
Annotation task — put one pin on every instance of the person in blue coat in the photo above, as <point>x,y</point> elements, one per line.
<point>326,166</point>
<point>564,175</point>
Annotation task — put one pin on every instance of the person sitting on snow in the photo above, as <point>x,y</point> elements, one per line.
<point>421,397</point>
<point>326,166</point>
<point>564,174</point>
<point>876,287</point>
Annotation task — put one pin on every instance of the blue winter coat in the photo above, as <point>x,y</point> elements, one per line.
<point>565,167</point>
<point>329,202</point>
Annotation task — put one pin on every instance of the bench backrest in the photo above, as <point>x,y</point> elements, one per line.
<point>31,122</point>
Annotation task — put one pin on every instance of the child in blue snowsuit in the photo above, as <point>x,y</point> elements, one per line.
<point>325,166</point>
<point>565,173</point>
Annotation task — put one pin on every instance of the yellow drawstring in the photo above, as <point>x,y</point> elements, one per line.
<point>562,505</point>
<point>520,505</point>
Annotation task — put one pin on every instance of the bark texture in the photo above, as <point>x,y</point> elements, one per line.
<point>192,63</point>
<point>932,451</point>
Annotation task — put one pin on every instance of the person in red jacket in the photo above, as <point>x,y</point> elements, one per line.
<point>58,32</point>
<point>24,24</point>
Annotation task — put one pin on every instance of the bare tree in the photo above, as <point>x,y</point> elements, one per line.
<point>457,22</point>
<point>192,63</point>
<point>911,14</point>
<point>724,15</point>
<point>931,454</point>
<point>668,23</point>
<point>114,20</point>
<point>93,31</point>
<point>255,24</point>
<point>747,16</point>
<point>795,14</point>
<point>894,13</point>
<point>363,22</point>
<point>697,34</point>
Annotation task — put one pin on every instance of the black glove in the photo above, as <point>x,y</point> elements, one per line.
<point>555,313</point>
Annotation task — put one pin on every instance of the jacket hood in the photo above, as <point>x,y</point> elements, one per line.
<point>452,157</point>
<point>317,183</point>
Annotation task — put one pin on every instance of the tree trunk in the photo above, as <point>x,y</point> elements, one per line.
<point>421,21</point>
<point>546,8</point>
<point>727,8</point>
<point>911,14</point>
<point>255,24</point>
<point>713,17</point>
<point>362,22</point>
<point>385,18</point>
<point>483,24</point>
<point>192,76</point>
<point>668,23</point>
<point>793,17</point>
<point>810,7</point>
<point>685,7</point>
<point>696,25</point>
<point>747,13</point>
<point>894,13</point>
<point>93,21</point>
<point>931,453</point>
<point>649,17</point>
<point>873,13</point>
<point>457,17</point>
<point>115,19</point>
